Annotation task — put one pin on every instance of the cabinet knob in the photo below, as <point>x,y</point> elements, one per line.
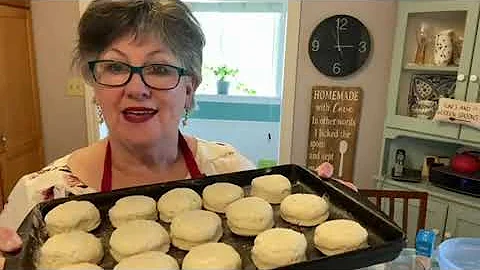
<point>447,235</point>
<point>461,77</point>
<point>3,139</point>
<point>473,78</point>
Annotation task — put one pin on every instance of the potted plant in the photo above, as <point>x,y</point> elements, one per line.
<point>223,73</point>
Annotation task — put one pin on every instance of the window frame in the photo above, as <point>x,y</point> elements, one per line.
<point>251,6</point>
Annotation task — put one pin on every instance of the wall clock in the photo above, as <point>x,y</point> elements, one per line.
<point>339,45</point>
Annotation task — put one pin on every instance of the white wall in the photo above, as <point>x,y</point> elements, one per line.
<point>63,117</point>
<point>380,18</point>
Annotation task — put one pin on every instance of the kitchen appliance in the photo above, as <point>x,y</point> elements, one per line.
<point>446,177</point>
<point>466,162</point>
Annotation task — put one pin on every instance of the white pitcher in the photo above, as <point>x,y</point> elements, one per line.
<point>443,48</point>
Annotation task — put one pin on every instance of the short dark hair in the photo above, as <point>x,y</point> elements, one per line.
<point>171,21</point>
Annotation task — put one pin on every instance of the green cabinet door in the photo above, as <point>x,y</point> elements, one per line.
<point>462,16</point>
<point>473,94</point>
<point>470,134</point>
<point>462,221</point>
<point>436,217</point>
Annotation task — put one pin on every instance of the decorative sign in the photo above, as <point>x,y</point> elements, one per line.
<point>334,121</point>
<point>458,112</point>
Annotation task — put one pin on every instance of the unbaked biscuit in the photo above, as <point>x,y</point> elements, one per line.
<point>340,236</point>
<point>130,208</point>
<point>176,201</point>
<point>278,247</point>
<point>196,227</point>
<point>138,236</point>
<point>218,196</point>
<point>72,216</point>
<point>148,260</point>
<point>272,188</point>
<point>212,256</point>
<point>304,209</point>
<point>70,248</point>
<point>249,216</point>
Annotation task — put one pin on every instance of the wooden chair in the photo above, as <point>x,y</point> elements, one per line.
<point>391,195</point>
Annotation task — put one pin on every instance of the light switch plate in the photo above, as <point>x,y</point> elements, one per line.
<point>76,87</point>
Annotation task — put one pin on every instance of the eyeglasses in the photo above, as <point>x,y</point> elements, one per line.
<point>156,76</point>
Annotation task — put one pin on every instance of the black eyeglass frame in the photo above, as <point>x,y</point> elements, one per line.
<point>136,70</point>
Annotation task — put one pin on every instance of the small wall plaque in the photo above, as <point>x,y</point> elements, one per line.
<point>334,122</point>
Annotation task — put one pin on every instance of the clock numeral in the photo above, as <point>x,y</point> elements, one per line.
<point>336,69</point>
<point>362,46</point>
<point>315,45</point>
<point>342,24</point>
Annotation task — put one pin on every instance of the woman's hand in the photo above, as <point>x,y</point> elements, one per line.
<point>326,170</point>
<point>9,241</point>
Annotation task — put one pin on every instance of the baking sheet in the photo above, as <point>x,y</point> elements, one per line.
<point>385,240</point>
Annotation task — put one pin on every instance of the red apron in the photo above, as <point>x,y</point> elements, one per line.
<point>182,144</point>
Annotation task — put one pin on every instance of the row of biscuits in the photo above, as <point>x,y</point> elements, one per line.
<point>192,228</point>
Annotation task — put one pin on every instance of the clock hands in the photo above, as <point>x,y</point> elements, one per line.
<point>342,25</point>
<point>344,46</point>
<point>338,47</point>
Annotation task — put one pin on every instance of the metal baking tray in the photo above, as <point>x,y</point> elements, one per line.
<point>385,241</point>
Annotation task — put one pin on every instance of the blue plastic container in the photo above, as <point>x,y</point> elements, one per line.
<point>459,254</point>
<point>425,243</point>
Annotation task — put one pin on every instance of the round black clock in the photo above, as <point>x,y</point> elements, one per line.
<point>339,45</point>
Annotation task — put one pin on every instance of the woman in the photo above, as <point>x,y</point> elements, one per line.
<point>143,59</point>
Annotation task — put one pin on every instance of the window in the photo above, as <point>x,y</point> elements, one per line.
<point>247,36</point>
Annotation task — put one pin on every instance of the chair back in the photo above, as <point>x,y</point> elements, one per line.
<point>391,195</point>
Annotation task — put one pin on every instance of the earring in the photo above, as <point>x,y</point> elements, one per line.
<point>98,113</point>
<point>185,117</point>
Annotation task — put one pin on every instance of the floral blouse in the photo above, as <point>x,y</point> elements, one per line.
<point>57,180</point>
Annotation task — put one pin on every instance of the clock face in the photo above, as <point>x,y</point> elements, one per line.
<point>339,45</point>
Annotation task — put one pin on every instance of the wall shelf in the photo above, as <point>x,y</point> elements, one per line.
<point>415,67</point>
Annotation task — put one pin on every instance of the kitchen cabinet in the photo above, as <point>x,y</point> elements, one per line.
<point>414,89</point>
<point>473,93</point>
<point>21,147</point>
<point>462,221</point>
<point>16,3</point>
<point>449,214</point>
<point>408,125</point>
